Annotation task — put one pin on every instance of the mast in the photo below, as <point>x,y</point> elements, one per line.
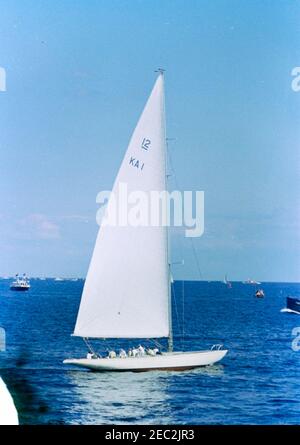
<point>170,337</point>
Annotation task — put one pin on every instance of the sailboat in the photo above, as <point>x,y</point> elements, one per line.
<point>127,289</point>
<point>228,284</point>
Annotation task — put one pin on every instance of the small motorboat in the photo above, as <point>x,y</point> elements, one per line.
<point>251,282</point>
<point>292,305</point>
<point>259,293</point>
<point>20,283</point>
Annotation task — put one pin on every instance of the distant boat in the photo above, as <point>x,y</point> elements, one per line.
<point>20,283</point>
<point>292,305</point>
<point>228,284</point>
<point>128,295</point>
<point>259,293</point>
<point>251,282</point>
<point>58,279</point>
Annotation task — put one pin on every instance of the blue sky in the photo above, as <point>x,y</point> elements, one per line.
<point>78,75</point>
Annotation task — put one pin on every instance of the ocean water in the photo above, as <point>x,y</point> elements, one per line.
<point>258,382</point>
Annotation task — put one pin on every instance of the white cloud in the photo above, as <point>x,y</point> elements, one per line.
<point>79,218</point>
<point>37,225</point>
<point>2,79</point>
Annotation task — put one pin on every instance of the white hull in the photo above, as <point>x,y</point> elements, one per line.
<point>8,412</point>
<point>289,310</point>
<point>175,361</point>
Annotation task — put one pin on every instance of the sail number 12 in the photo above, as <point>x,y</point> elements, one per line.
<point>146,144</point>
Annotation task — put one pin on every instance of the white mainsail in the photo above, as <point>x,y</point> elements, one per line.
<point>126,293</point>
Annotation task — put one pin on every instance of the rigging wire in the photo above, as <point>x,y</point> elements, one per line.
<point>183,313</point>
<point>156,343</point>
<point>89,346</point>
<point>196,259</point>
<point>170,160</point>
<point>173,175</point>
<point>194,252</point>
<point>175,304</point>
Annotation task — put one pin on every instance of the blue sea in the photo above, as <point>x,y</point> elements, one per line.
<point>258,382</point>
